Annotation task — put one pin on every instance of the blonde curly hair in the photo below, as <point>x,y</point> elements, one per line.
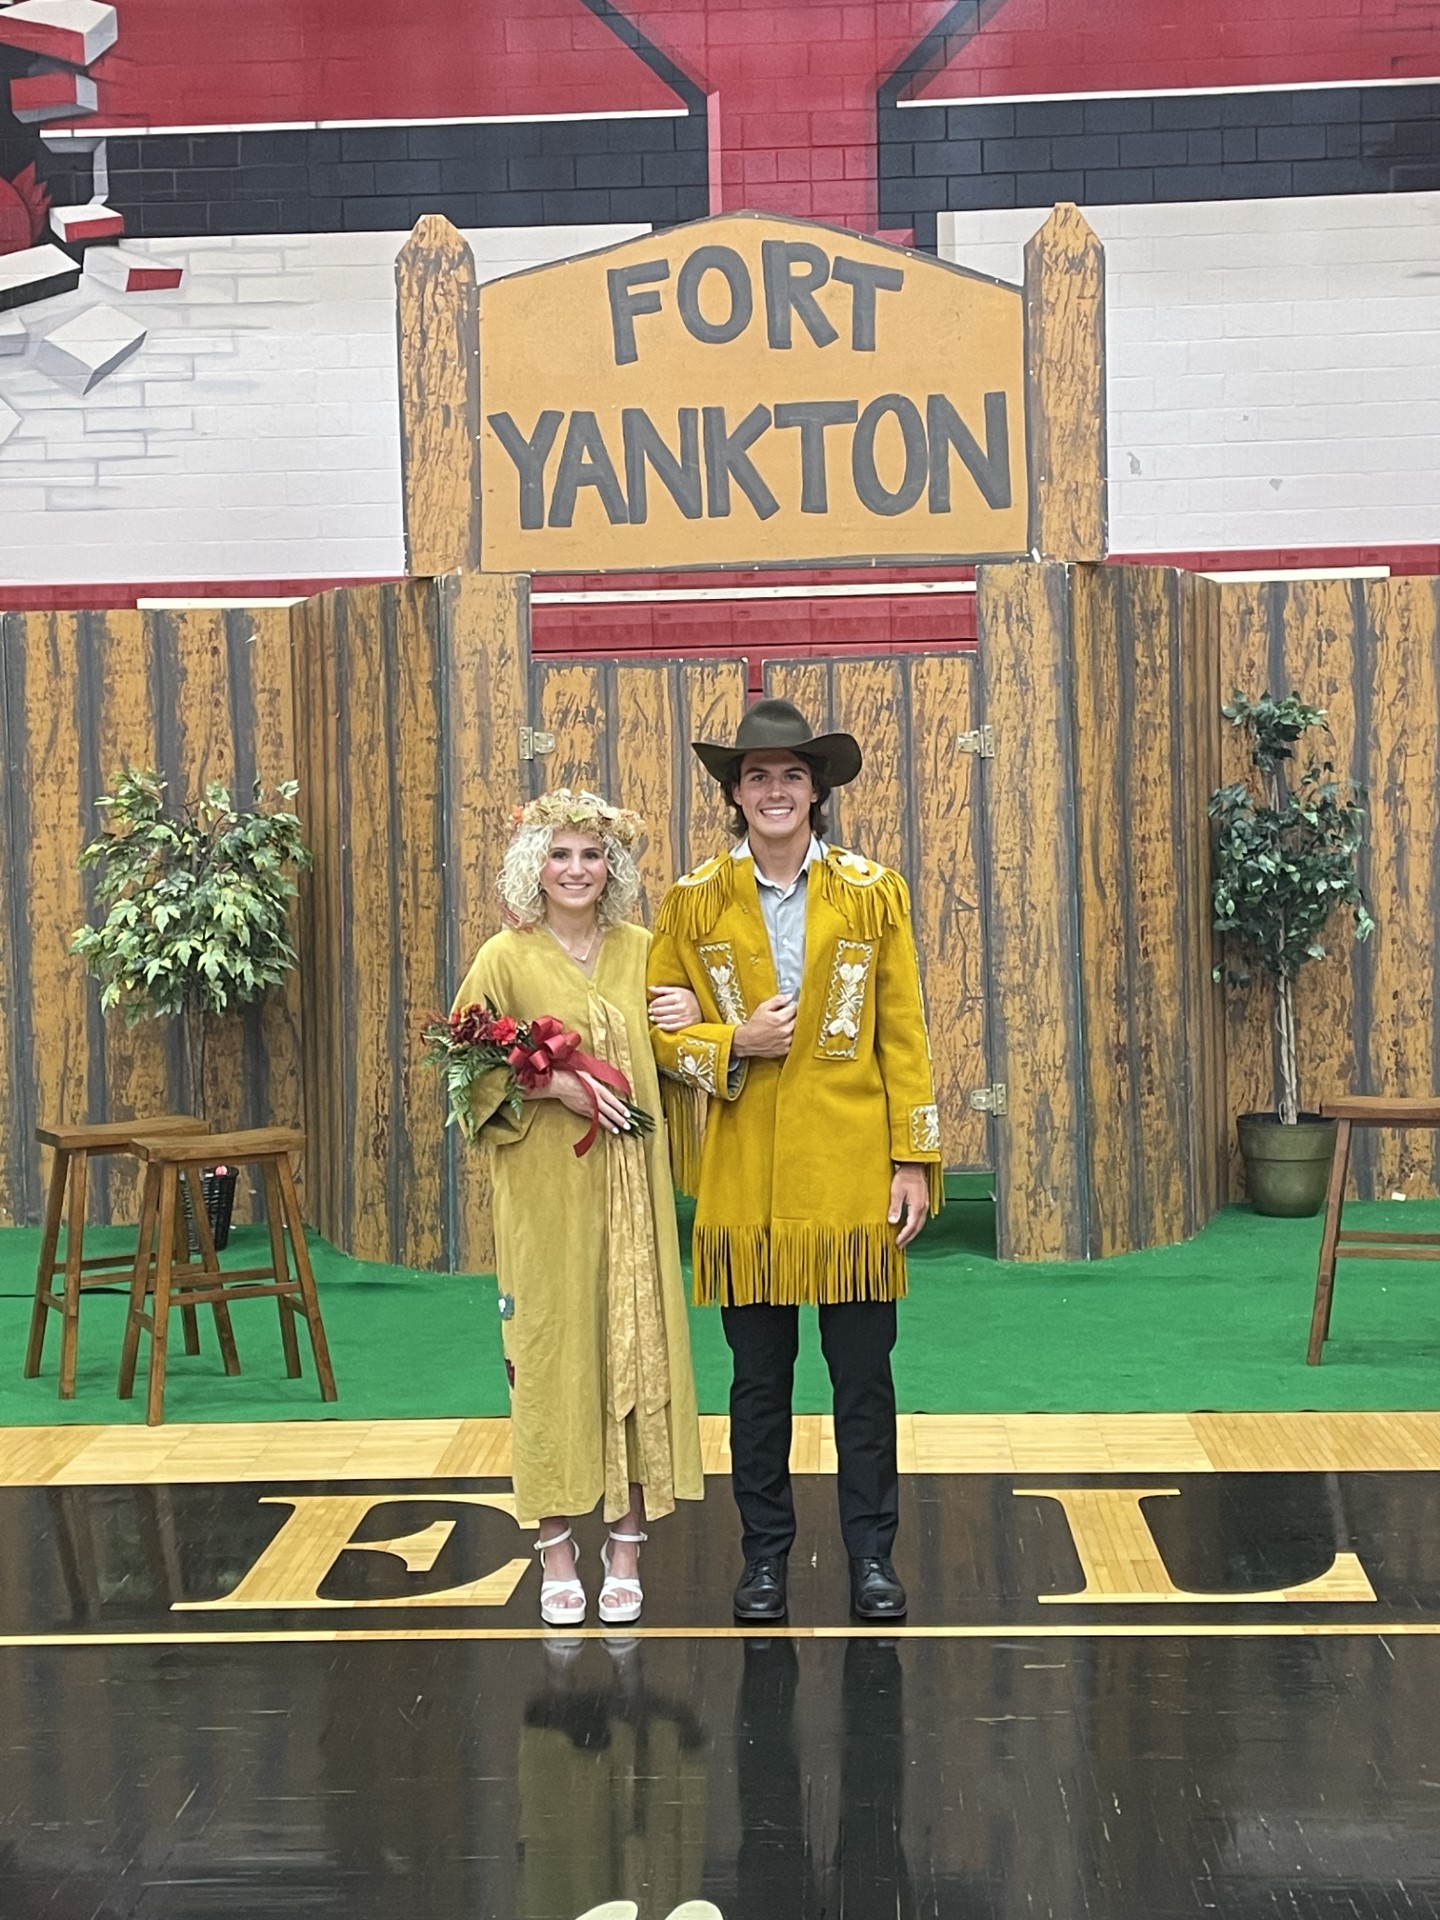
<point>536,824</point>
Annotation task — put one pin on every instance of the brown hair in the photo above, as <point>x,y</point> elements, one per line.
<point>739,827</point>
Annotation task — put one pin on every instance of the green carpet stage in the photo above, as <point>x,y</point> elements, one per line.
<point>1219,1323</point>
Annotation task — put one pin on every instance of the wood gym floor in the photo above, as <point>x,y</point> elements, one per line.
<point>1154,1666</point>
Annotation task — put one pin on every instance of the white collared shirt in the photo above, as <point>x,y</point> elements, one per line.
<point>783,911</point>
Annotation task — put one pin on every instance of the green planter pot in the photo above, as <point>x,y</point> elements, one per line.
<point>1287,1169</point>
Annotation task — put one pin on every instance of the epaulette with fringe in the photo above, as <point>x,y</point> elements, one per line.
<point>697,900</point>
<point>869,896</point>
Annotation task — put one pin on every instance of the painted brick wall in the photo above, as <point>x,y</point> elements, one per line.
<point>1273,374</point>
<point>277,156</point>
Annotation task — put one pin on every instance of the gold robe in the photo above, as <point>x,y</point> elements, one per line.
<point>793,1179</point>
<point>587,1254</point>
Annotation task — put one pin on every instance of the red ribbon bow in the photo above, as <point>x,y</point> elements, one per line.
<point>551,1048</point>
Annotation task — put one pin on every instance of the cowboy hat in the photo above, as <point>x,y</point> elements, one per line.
<point>772,724</point>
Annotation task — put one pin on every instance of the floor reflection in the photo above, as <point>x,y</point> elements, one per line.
<point>612,1784</point>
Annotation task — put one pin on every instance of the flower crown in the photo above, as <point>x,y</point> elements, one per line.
<point>565,808</point>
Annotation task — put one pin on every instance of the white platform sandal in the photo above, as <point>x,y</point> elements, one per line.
<point>554,1591</point>
<point>614,1611</point>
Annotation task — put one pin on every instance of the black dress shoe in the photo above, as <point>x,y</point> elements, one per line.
<point>761,1592</point>
<point>875,1593</point>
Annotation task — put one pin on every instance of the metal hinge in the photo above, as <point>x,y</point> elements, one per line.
<point>533,741</point>
<point>990,1099</point>
<point>979,740</point>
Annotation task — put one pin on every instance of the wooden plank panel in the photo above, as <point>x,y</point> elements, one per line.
<point>486,623</point>
<point>645,753</point>
<point>198,745</point>
<point>1249,1048</point>
<point>1102,816</point>
<point>417,949</point>
<point>57,823</point>
<point>945,814</point>
<point>1065,369</point>
<point>712,701</point>
<point>1321,660</point>
<point>869,700</point>
<point>570,702</point>
<point>1404,753</point>
<point>15,1121</point>
<point>437,317</point>
<point>1201,699</point>
<point>138,1060</point>
<point>263,636</point>
<point>1152,746</point>
<point>319,908</point>
<point>1031,929</point>
<point>367,918</point>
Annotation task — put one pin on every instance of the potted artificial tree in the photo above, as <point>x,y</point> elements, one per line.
<point>1285,859</point>
<point>192,908</point>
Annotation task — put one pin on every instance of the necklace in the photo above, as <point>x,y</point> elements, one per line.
<point>580,959</point>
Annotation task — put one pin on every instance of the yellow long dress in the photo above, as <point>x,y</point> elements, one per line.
<point>587,1254</point>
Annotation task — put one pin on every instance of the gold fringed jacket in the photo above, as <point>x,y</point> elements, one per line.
<point>792,1170</point>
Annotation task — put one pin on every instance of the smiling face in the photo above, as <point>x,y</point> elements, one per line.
<point>575,873</point>
<point>775,791</point>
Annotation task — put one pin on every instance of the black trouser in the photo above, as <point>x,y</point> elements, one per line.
<point>856,1339</point>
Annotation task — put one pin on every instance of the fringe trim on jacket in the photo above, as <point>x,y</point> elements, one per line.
<point>685,1108</point>
<point>691,907</point>
<point>796,1266</point>
<point>869,906</point>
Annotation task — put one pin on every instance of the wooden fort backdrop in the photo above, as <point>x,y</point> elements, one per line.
<point>1060,887</point>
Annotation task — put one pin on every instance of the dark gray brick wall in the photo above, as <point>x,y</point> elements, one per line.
<point>547,173</point>
<point>1214,146</point>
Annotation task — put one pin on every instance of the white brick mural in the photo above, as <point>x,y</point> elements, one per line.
<point>253,434</point>
<point>1273,365</point>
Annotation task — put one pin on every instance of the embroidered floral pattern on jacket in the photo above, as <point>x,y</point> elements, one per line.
<point>718,959</point>
<point>925,1129</point>
<point>845,999</point>
<point>697,1063</point>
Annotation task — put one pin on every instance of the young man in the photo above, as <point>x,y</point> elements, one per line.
<point>821,1156</point>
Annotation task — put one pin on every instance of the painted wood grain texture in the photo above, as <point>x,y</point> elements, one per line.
<point>485,627</point>
<point>1313,632</point>
<point>1398,965</point>
<point>1106,1022</point>
<point>1200,702</point>
<point>946,825</point>
<point>914,805</point>
<point>712,703</point>
<point>1150,739</point>
<point>1065,371</point>
<point>1245,665</point>
<point>1366,652</point>
<point>200,695</point>
<point>1031,924</point>
<point>437,320</point>
<point>1104,905</point>
<point>644,703</point>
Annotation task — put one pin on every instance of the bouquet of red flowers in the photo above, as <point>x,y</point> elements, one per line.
<point>477,1039</point>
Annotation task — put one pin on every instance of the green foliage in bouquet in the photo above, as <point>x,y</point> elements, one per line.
<point>1285,859</point>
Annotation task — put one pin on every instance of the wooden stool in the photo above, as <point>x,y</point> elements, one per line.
<point>167,1157</point>
<point>1362,1110</point>
<point>73,1147</point>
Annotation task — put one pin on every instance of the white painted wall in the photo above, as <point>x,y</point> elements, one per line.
<point>1274,366</point>
<point>254,435</point>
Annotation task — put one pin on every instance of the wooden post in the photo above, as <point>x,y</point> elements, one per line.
<point>437,325</point>
<point>1065,371</point>
<point>1105,1026</point>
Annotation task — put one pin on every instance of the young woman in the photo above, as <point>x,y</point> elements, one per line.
<point>591,1294</point>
